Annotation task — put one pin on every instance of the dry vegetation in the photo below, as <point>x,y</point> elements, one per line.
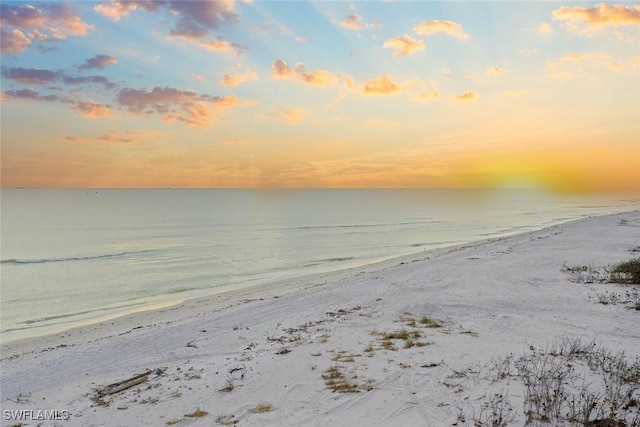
<point>337,379</point>
<point>625,274</point>
<point>262,408</point>
<point>198,413</point>
<point>386,339</point>
<point>226,420</point>
<point>571,383</point>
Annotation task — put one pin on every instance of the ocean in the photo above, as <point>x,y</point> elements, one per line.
<point>72,257</point>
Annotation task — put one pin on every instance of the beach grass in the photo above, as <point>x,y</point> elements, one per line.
<point>627,272</point>
<point>197,413</point>
<point>262,408</point>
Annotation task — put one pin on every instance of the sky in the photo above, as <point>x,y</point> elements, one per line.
<point>321,94</point>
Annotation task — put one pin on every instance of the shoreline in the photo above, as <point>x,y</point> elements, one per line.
<point>207,295</point>
<point>229,292</point>
<point>24,319</point>
<point>274,344</point>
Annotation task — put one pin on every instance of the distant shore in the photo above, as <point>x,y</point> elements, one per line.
<point>398,342</point>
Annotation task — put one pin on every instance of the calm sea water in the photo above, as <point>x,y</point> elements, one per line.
<point>74,256</point>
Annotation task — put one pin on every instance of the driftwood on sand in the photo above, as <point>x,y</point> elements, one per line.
<point>126,384</point>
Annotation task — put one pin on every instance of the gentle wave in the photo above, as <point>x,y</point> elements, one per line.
<point>372,225</point>
<point>327,261</point>
<point>437,243</point>
<point>71,258</point>
<point>76,314</point>
<point>181,290</point>
<point>505,231</point>
<point>338,259</point>
<point>59,316</point>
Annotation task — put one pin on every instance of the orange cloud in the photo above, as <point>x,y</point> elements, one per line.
<point>13,41</point>
<point>583,20</point>
<point>22,16</point>
<point>118,136</point>
<point>66,22</point>
<point>118,9</point>
<point>77,139</point>
<point>237,79</point>
<point>318,77</point>
<point>354,22</point>
<point>602,14</point>
<point>545,28</point>
<point>98,61</point>
<point>404,45</point>
<point>567,58</point>
<point>217,45</point>
<point>280,69</point>
<point>48,22</point>
<point>114,136</point>
<point>291,116</point>
<point>193,113</point>
<point>494,71</point>
<point>348,82</point>
<point>381,85</point>
<point>334,164</point>
<point>466,96</point>
<point>177,105</point>
<point>195,19</point>
<point>448,27</point>
<point>294,117</point>
<point>428,96</point>
<point>567,62</point>
<point>92,109</point>
<point>56,19</point>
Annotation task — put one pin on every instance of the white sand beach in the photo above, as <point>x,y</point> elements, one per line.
<point>439,338</point>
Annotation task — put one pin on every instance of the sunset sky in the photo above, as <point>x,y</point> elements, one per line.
<point>297,94</point>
